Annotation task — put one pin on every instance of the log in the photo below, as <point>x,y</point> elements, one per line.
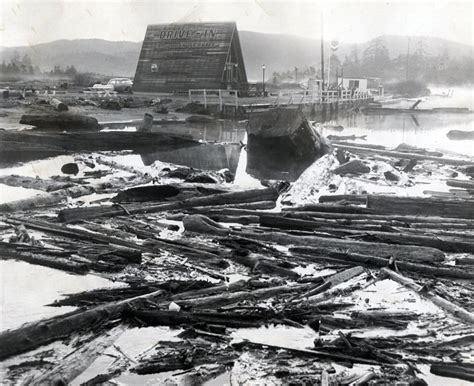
<point>420,221</point>
<point>33,335</point>
<point>306,352</point>
<point>463,371</point>
<point>175,319</point>
<point>146,124</point>
<point>8,251</point>
<point>352,198</point>
<point>399,154</point>
<point>332,281</point>
<point>318,254</point>
<point>63,121</point>
<point>330,208</point>
<point>246,196</point>
<point>460,135</point>
<point>453,309</point>
<point>46,185</point>
<point>421,206</point>
<point>58,105</point>
<point>202,224</point>
<point>97,141</point>
<point>46,199</point>
<point>443,243</point>
<point>465,184</point>
<point>75,363</point>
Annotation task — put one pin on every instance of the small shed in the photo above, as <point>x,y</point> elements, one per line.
<point>373,85</point>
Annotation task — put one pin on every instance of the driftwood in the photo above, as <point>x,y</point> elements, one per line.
<point>372,233</point>
<point>174,319</point>
<point>399,154</point>
<point>318,254</point>
<point>306,352</point>
<point>459,312</point>
<point>76,214</point>
<point>454,370</point>
<point>35,183</point>
<point>352,198</point>
<point>63,121</point>
<point>9,251</point>
<point>58,105</point>
<point>411,220</point>
<point>33,335</point>
<point>421,206</point>
<point>202,224</point>
<point>46,199</point>
<point>73,365</point>
<point>465,184</point>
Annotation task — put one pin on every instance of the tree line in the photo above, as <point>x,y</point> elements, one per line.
<point>24,66</point>
<point>375,61</point>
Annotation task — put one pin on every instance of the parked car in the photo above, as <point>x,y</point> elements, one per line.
<point>121,84</point>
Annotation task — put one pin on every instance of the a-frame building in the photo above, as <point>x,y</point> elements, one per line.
<point>181,56</point>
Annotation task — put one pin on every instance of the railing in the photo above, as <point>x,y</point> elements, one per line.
<point>319,97</point>
<point>214,97</point>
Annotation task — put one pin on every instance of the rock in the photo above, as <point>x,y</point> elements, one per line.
<point>356,167</point>
<point>110,104</point>
<point>70,168</point>
<point>391,176</point>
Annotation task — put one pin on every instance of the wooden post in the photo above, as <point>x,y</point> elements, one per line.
<point>189,94</point>
<point>220,100</point>
<point>205,99</point>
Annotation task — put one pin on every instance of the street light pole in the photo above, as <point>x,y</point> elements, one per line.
<point>263,79</point>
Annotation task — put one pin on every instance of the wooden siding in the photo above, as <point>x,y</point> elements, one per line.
<point>178,57</point>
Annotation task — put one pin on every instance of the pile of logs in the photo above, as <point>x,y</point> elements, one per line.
<point>355,241</point>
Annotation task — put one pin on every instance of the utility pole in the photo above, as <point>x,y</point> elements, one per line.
<point>322,54</point>
<point>408,56</point>
<point>263,79</point>
<point>296,74</point>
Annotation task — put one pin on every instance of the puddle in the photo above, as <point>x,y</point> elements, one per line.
<point>26,289</point>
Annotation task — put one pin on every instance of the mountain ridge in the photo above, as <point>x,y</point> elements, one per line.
<point>277,52</point>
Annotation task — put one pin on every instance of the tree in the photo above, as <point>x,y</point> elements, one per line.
<point>376,58</point>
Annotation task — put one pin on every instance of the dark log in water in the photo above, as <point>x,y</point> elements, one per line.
<point>61,121</point>
<point>459,135</point>
<point>95,141</point>
<point>421,206</point>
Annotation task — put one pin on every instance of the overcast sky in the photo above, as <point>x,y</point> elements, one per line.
<point>28,22</point>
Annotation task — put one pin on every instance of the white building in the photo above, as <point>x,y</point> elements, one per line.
<point>373,85</point>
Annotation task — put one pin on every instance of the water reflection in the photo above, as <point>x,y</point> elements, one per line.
<point>204,156</point>
<point>429,131</point>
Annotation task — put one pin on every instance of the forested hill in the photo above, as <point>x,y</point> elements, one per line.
<point>279,53</point>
